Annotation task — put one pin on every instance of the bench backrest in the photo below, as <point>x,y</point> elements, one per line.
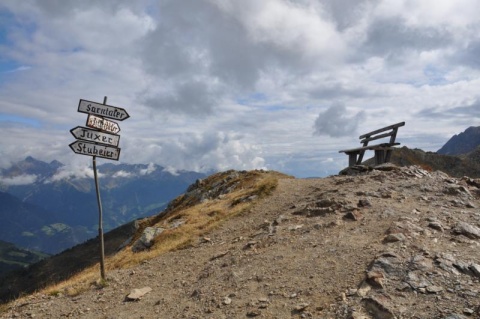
<point>374,135</point>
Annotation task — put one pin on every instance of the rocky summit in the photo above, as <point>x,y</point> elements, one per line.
<point>383,243</point>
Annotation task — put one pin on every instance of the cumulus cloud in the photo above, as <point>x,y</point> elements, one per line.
<point>335,122</point>
<point>203,152</point>
<point>73,172</point>
<point>230,84</point>
<point>25,179</point>
<point>172,170</point>
<point>122,174</point>
<point>149,170</point>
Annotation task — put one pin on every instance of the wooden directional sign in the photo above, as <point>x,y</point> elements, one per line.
<point>87,134</point>
<point>102,124</point>
<point>92,149</point>
<point>103,110</point>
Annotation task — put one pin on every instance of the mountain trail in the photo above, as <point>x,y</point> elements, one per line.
<point>386,243</point>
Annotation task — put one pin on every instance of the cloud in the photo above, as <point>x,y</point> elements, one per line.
<point>122,174</point>
<point>149,170</point>
<point>392,38</point>
<point>25,179</point>
<point>334,121</point>
<point>230,84</point>
<point>467,112</point>
<point>69,172</point>
<point>171,170</point>
<point>203,152</point>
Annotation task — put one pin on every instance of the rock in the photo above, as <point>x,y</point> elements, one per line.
<point>280,219</point>
<point>435,224</point>
<point>147,239</point>
<point>421,263</point>
<point>301,307</point>
<point>376,278</point>
<point>137,294</point>
<point>475,268</point>
<point>455,316</point>
<point>364,203</point>
<point>253,313</point>
<point>392,238</point>
<point>416,280</point>
<point>379,307</point>
<point>227,301</point>
<point>463,228</point>
<point>468,311</point>
<point>219,255</point>
<point>434,289</point>
<point>470,205</point>
<point>355,170</point>
<point>405,226</point>
<point>353,215</point>
<point>364,289</point>
<point>387,167</point>
<point>463,267</point>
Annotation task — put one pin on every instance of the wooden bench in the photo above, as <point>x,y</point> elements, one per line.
<point>383,151</point>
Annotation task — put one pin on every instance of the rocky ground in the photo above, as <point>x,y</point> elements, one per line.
<point>385,243</point>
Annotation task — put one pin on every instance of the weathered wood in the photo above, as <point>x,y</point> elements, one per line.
<point>382,130</point>
<point>369,148</point>
<point>369,139</point>
<point>379,156</point>
<point>383,151</point>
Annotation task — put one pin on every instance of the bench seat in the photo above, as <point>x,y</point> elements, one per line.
<point>369,148</point>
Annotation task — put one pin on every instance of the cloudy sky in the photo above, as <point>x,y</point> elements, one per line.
<point>243,84</point>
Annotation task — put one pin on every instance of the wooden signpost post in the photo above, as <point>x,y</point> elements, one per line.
<point>99,139</point>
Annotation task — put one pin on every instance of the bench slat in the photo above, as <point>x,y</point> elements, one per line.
<point>385,146</point>
<point>377,137</point>
<point>367,135</point>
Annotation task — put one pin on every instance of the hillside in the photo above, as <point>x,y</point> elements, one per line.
<point>13,257</point>
<point>388,243</point>
<point>454,165</point>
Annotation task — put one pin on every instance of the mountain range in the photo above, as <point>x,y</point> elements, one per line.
<point>47,208</point>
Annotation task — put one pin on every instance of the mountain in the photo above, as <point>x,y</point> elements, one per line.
<point>462,143</point>
<point>30,226</point>
<point>390,242</point>
<point>13,257</point>
<point>51,209</point>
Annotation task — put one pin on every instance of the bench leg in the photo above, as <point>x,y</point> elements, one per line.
<point>379,157</point>
<point>352,159</point>
<point>388,156</point>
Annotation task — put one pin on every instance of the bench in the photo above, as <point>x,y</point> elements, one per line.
<point>383,151</point>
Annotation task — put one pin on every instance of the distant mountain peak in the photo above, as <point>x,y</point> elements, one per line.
<point>462,143</point>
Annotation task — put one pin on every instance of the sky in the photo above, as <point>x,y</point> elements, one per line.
<point>237,84</point>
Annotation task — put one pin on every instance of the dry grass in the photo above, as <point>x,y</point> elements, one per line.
<point>201,218</point>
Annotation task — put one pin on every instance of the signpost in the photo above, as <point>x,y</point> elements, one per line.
<point>93,149</point>
<point>103,110</point>
<point>102,124</point>
<point>86,134</point>
<point>99,140</point>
